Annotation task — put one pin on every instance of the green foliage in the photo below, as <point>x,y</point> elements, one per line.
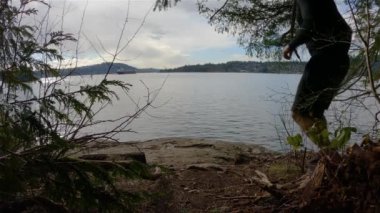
<point>321,138</point>
<point>78,185</point>
<point>342,137</point>
<point>295,141</point>
<point>39,128</point>
<point>262,27</point>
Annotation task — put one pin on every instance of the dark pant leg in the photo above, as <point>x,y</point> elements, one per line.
<point>320,82</point>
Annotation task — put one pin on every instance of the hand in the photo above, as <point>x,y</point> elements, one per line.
<point>287,52</point>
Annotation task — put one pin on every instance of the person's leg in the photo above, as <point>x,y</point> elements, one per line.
<point>305,96</point>
<point>321,79</point>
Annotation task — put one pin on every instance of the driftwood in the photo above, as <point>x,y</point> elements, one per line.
<point>206,166</point>
<point>263,181</point>
<point>137,156</point>
<point>108,165</point>
<point>109,161</point>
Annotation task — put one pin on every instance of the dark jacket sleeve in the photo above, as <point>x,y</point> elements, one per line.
<point>305,20</point>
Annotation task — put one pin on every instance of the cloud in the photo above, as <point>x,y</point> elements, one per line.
<point>167,39</point>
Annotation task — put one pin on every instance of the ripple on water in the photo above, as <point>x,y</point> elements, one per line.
<point>227,106</point>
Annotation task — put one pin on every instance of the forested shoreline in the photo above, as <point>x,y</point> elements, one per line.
<point>243,66</point>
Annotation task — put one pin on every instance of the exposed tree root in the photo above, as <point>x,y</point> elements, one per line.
<point>339,182</point>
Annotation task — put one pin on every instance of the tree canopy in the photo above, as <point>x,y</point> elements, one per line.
<point>261,26</point>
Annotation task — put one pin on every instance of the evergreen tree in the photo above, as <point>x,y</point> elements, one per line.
<point>39,128</point>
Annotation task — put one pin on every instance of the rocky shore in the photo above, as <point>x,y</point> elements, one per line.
<point>201,175</point>
<point>176,153</point>
<point>198,175</point>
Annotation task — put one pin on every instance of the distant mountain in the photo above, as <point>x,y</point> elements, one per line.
<point>243,66</point>
<point>97,69</point>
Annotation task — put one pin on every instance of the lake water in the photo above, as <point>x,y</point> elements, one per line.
<point>237,107</point>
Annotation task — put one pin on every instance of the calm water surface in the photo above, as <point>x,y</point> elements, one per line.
<point>237,107</point>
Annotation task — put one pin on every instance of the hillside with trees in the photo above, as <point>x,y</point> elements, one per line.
<point>100,69</point>
<point>233,66</point>
<point>238,66</point>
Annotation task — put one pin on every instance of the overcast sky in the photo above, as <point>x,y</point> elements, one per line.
<point>171,38</point>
